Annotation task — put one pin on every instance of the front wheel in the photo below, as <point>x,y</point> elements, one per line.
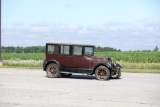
<point>102,73</point>
<point>52,71</point>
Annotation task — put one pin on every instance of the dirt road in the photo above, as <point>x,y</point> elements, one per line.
<point>31,88</point>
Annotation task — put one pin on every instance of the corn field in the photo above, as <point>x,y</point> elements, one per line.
<point>129,60</point>
<point>23,56</point>
<point>134,57</point>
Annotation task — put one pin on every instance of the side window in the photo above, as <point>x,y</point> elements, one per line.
<point>65,49</point>
<point>88,51</point>
<point>53,49</point>
<point>77,50</point>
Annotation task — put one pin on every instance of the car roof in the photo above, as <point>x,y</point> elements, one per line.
<point>69,44</point>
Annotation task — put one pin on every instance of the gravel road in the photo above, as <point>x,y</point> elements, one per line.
<point>31,88</point>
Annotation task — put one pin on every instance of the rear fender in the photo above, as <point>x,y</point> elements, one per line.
<point>51,61</point>
<point>44,64</point>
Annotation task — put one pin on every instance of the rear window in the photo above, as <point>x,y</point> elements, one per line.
<point>53,49</point>
<point>65,49</point>
<point>77,50</point>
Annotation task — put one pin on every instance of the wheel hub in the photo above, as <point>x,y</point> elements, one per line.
<point>53,71</point>
<point>101,73</point>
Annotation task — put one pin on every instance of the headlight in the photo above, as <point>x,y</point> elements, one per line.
<point>114,63</point>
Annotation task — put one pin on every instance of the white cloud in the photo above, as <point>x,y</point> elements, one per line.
<point>117,35</point>
<point>39,29</point>
<point>70,27</point>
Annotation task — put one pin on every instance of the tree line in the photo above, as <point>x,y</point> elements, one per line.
<point>104,49</point>
<point>41,49</point>
<point>18,49</point>
<point>156,49</point>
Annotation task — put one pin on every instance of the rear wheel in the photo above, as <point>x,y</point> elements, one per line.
<point>52,71</point>
<point>102,73</point>
<point>65,75</point>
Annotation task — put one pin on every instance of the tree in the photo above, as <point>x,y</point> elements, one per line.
<point>18,49</point>
<point>156,49</point>
<point>105,49</point>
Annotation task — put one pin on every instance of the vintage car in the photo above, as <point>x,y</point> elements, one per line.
<point>65,59</point>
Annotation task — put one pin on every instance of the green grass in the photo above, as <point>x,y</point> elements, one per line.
<point>134,57</point>
<point>156,71</point>
<point>148,62</point>
<point>128,65</point>
<point>23,63</point>
<point>23,67</point>
<point>23,56</point>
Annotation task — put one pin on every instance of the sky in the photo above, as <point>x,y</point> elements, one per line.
<point>121,24</point>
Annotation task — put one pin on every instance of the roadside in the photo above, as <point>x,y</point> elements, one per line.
<point>155,71</point>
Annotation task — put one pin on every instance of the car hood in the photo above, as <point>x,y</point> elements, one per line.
<point>99,60</point>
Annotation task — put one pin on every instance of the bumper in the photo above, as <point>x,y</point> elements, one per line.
<point>116,68</point>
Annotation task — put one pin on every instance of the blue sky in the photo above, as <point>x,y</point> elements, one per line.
<point>122,24</point>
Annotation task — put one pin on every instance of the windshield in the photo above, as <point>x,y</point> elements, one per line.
<point>88,51</point>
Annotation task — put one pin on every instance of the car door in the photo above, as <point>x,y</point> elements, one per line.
<point>65,56</point>
<point>76,58</point>
<point>79,62</point>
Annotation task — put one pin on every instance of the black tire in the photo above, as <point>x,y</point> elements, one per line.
<point>65,75</point>
<point>102,73</point>
<point>52,71</point>
<point>118,75</point>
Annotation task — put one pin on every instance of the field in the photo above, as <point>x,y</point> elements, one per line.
<point>133,57</point>
<point>129,60</point>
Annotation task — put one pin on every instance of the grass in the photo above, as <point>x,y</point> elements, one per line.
<point>142,62</point>
<point>23,56</point>
<point>25,63</point>
<point>134,57</point>
<point>127,67</point>
<point>23,67</point>
<point>156,71</point>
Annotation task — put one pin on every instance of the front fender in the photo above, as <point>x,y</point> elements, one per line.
<point>118,65</point>
<point>97,65</point>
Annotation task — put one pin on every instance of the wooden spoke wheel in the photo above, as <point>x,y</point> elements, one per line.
<point>52,71</point>
<point>102,73</point>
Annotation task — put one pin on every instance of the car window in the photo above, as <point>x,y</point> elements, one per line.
<point>88,51</point>
<point>65,49</point>
<point>77,50</point>
<point>53,49</point>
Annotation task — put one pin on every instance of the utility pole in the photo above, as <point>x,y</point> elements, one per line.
<point>1,63</point>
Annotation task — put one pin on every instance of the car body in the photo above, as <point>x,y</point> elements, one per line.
<point>65,59</point>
